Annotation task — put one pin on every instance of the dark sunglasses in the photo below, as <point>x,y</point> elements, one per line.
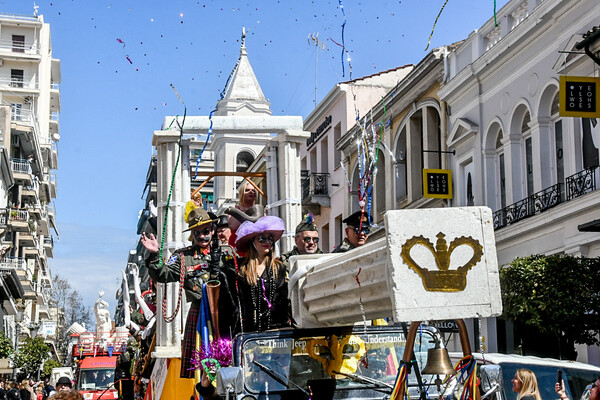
<point>364,230</point>
<point>203,232</point>
<point>594,385</point>
<point>263,239</point>
<point>308,239</point>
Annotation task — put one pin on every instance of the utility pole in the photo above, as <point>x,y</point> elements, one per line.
<point>318,43</point>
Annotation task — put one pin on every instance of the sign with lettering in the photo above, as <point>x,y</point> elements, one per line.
<point>315,135</point>
<point>579,96</point>
<point>437,183</point>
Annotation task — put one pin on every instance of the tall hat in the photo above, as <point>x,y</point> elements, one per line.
<point>355,219</point>
<point>267,224</point>
<point>199,216</point>
<point>307,224</point>
<point>252,214</point>
<point>222,221</point>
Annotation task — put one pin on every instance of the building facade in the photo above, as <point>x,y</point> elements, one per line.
<point>29,107</point>
<point>514,153</point>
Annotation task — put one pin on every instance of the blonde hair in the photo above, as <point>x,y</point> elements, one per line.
<point>241,192</point>
<point>529,385</point>
<point>250,266</point>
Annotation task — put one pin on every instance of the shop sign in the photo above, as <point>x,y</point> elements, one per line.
<point>437,183</point>
<point>579,96</point>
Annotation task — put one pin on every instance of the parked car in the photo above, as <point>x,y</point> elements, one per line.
<point>497,370</point>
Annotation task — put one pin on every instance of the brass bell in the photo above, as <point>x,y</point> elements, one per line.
<point>438,362</point>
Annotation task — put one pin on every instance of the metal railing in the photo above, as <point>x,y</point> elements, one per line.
<point>22,115</point>
<point>20,165</point>
<point>18,83</point>
<point>529,206</point>
<point>581,183</point>
<point>575,186</point>
<point>29,48</point>
<point>315,185</point>
<point>10,262</point>
<point>13,214</point>
<point>49,241</point>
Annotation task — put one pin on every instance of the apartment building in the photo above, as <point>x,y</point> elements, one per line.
<point>29,133</point>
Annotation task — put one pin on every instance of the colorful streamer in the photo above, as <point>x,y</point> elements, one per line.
<point>401,384</point>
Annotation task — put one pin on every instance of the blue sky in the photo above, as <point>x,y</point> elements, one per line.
<point>118,59</point>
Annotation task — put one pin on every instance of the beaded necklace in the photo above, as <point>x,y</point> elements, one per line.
<point>262,295</point>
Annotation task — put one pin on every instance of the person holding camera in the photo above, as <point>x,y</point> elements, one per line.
<point>201,262</point>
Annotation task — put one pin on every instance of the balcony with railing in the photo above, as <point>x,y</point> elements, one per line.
<point>20,166</point>
<point>17,219</point>
<point>18,82</point>
<point>315,191</point>
<point>18,48</point>
<point>575,186</point>
<point>49,246</point>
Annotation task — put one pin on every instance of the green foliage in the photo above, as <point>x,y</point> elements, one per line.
<point>557,294</point>
<point>48,365</point>
<point>31,354</point>
<point>6,346</point>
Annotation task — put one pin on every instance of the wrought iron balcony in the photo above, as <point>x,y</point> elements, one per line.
<point>581,183</point>
<point>576,185</point>
<point>315,190</point>
<point>529,206</point>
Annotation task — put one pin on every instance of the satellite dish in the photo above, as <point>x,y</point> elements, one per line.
<point>55,137</point>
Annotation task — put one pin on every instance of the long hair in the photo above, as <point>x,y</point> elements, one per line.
<point>248,270</point>
<point>241,192</point>
<point>529,385</point>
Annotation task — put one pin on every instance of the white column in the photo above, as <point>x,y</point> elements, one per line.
<point>168,335</point>
<point>283,164</point>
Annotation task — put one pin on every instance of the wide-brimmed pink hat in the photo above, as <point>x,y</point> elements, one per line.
<point>267,224</point>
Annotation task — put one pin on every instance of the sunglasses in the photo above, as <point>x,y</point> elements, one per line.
<point>308,239</point>
<point>364,230</point>
<point>203,232</point>
<point>594,385</point>
<point>263,239</point>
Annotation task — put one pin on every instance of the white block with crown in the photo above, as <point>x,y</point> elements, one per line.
<point>442,263</point>
<point>400,275</point>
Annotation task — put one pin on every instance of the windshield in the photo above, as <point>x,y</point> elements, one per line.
<point>95,379</point>
<point>575,380</point>
<point>304,359</point>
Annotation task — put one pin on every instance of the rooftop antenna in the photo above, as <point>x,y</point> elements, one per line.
<point>35,9</point>
<point>318,43</point>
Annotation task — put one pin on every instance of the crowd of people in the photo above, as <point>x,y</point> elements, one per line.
<point>31,390</point>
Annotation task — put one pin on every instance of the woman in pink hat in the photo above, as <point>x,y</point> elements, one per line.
<point>259,280</point>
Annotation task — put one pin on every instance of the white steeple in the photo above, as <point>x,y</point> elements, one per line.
<point>243,95</point>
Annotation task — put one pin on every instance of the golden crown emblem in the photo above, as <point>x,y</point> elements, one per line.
<point>444,280</point>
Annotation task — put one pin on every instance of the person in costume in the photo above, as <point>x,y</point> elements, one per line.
<point>358,227</point>
<point>199,263</point>
<point>306,238</point>
<point>247,200</point>
<point>259,281</point>
<point>223,229</point>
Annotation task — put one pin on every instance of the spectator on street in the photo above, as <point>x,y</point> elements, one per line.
<point>525,384</point>
<point>64,383</point>
<point>68,394</point>
<point>13,393</point>
<point>559,388</point>
<point>2,391</point>
<point>358,227</point>
<point>25,390</point>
